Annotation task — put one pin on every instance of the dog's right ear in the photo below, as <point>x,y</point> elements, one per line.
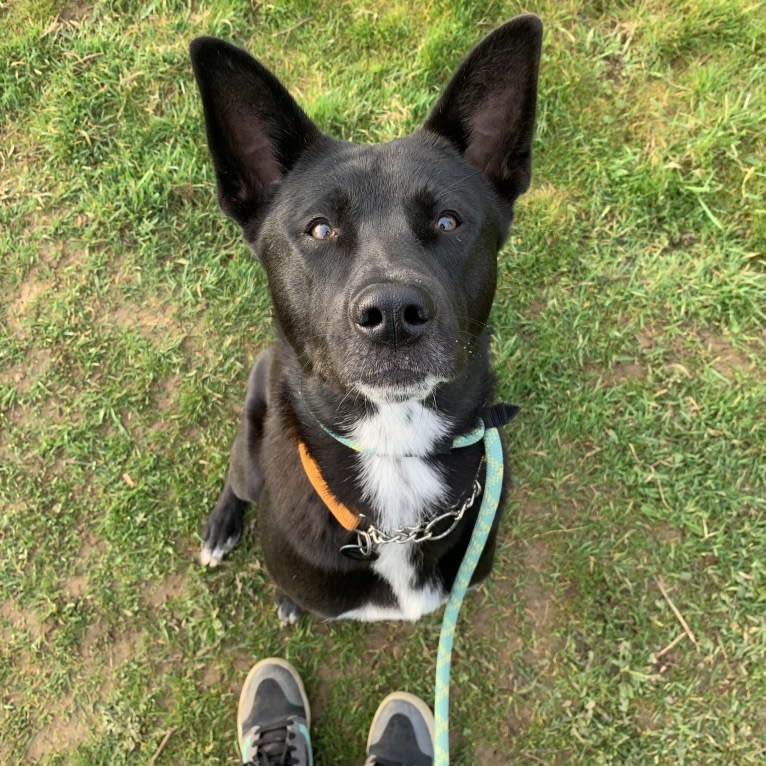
<point>255,130</point>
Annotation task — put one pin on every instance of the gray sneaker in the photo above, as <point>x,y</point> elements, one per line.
<point>402,733</point>
<point>273,718</point>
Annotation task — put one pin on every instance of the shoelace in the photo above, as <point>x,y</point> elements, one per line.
<point>272,745</point>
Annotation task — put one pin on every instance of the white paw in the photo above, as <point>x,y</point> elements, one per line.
<point>212,557</point>
<point>288,612</point>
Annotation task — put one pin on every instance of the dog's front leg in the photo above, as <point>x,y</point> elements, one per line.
<point>223,527</point>
<point>245,477</point>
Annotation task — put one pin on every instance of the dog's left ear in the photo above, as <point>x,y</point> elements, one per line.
<point>488,108</point>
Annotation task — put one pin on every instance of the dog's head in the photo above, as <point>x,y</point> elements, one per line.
<point>381,259</point>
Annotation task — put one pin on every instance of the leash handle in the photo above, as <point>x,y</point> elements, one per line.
<point>491,500</point>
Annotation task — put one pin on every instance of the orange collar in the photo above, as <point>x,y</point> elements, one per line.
<point>347,518</point>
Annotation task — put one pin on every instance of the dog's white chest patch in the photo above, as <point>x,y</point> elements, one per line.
<point>395,567</point>
<point>404,487</point>
<point>396,477</point>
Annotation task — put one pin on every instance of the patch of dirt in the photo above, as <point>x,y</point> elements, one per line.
<point>25,620</point>
<point>23,375</point>
<point>68,728</point>
<point>74,586</point>
<point>623,372</point>
<point>541,606</point>
<point>65,723</point>
<point>212,677</point>
<point>158,594</point>
<point>75,11</point>
<point>23,304</point>
<point>667,533</point>
<point>389,637</point>
<point>167,396</point>
<point>61,725</point>
<point>48,412</point>
<point>675,357</point>
<point>647,336</point>
<point>90,543</point>
<point>102,652</point>
<point>53,261</point>
<point>725,358</point>
<point>151,319</point>
<point>484,754</point>
<point>522,579</point>
<point>327,675</point>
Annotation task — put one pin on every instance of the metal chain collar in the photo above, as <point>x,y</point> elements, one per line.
<point>369,539</point>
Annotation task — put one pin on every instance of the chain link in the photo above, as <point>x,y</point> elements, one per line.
<point>369,539</point>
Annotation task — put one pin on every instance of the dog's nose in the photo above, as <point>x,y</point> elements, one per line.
<point>392,313</point>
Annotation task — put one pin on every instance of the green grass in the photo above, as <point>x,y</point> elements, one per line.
<point>629,325</point>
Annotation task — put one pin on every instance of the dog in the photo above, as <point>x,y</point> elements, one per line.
<point>382,267</point>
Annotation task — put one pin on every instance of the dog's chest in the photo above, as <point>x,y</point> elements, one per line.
<point>396,477</point>
<point>404,487</point>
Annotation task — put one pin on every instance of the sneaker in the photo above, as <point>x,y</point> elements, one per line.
<point>402,733</point>
<point>273,717</point>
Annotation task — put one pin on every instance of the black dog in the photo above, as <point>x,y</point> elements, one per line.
<point>381,263</point>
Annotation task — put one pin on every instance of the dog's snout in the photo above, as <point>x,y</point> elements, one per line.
<point>392,313</point>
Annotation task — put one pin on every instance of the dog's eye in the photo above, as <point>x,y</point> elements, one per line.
<point>321,230</point>
<point>447,222</point>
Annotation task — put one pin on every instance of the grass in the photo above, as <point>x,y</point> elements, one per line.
<point>624,623</point>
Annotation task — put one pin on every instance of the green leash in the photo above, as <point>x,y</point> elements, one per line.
<point>490,502</point>
<point>486,430</point>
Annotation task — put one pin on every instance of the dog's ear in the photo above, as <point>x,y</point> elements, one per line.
<point>487,109</point>
<point>255,130</point>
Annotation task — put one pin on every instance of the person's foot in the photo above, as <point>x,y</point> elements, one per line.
<point>273,718</point>
<point>402,733</point>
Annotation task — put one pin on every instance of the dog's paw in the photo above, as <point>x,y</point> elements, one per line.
<point>222,530</point>
<point>287,610</point>
<point>212,554</point>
